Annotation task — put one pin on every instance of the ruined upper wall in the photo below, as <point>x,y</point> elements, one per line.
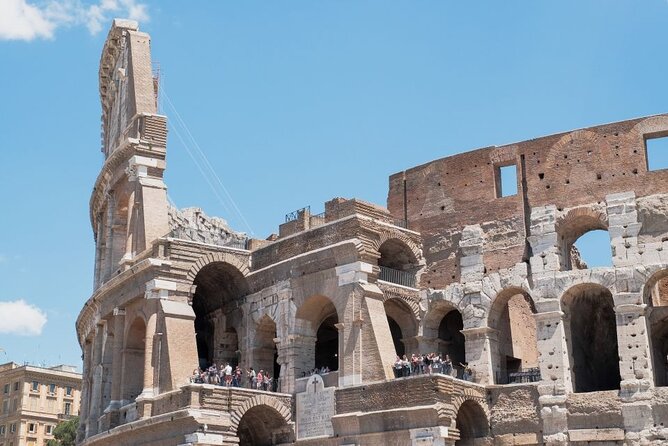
<point>126,81</point>
<point>568,169</point>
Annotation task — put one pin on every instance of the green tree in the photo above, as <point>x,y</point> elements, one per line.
<point>65,433</point>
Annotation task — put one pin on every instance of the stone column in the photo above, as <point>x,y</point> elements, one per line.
<point>544,240</point>
<point>478,352</point>
<point>178,341</point>
<point>556,380</point>
<point>623,228</point>
<point>85,390</point>
<point>96,386</point>
<point>117,367</point>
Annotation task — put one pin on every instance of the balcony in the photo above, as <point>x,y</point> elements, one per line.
<point>403,278</point>
<point>521,376</point>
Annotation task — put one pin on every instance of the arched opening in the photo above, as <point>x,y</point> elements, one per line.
<point>317,321</point>
<point>583,240</point>
<point>397,336</point>
<point>219,286</point>
<point>263,426</point>
<point>656,296</point>
<point>516,356</point>
<point>397,263</point>
<point>591,335</point>
<point>471,423</point>
<point>451,339</point>
<point>443,325</point>
<point>265,354</point>
<point>327,344</point>
<point>403,326</point>
<point>133,360</point>
<point>591,249</point>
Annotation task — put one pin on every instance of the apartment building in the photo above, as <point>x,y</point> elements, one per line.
<point>33,400</point>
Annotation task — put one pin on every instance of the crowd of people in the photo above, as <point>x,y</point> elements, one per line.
<point>421,364</point>
<point>316,371</point>
<point>228,376</point>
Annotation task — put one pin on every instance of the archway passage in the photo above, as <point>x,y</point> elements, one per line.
<point>397,263</point>
<point>471,423</point>
<point>133,360</point>
<point>512,316</point>
<point>219,286</point>
<point>660,351</point>
<point>327,344</point>
<point>451,338</point>
<point>265,353</point>
<point>403,326</point>
<point>263,426</point>
<point>397,336</point>
<point>592,338</point>
<point>583,235</point>
<point>656,296</point>
<point>317,323</point>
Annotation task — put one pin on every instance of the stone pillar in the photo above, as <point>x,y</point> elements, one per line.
<point>478,352</point>
<point>96,380</point>
<point>623,228</point>
<point>635,363</point>
<point>117,367</point>
<point>149,384</point>
<point>295,355</point>
<point>178,341</point>
<point>85,390</point>
<point>544,241</point>
<point>556,379</point>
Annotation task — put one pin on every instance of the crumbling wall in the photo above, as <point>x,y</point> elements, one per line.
<point>193,224</point>
<point>514,410</point>
<point>440,198</point>
<point>594,410</point>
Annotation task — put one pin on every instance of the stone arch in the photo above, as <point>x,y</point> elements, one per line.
<point>319,334</point>
<point>403,325</point>
<point>471,420</point>
<point>386,236</point>
<point>590,326</point>
<point>413,305</point>
<point>655,295</point>
<point>442,331</point>
<point>269,415</point>
<point>218,289</point>
<point>511,316</point>
<point>218,257</point>
<point>572,225</point>
<point>398,261</point>
<point>264,351</point>
<point>134,351</point>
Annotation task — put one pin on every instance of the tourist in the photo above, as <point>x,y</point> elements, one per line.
<point>259,380</point>
<point>252,378</point>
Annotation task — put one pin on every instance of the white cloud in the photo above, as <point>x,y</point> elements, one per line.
<point>20,318</point>
<point>21,20</point>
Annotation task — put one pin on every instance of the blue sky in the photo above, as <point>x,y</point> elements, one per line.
<point>293,102</point>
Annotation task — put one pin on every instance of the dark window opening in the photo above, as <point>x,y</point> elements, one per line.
<point>327,344</point>
<point>397,337</point>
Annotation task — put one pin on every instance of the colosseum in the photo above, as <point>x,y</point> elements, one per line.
<point>543,349</point>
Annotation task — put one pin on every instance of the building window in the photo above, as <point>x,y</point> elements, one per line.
<point>12,428</point>
<point>32,428</point>
<point>5,407</point>
<point>52,389</point>
<point>5,390</point>
<point>68,390</point>
<point>2,430</point>
<point>506,181</point>
<point>656,150</point>
<point>35,386</point>
<point>17,384</point>
<point>15,405</point>
<point>48,429</point>
<point>68,408</point>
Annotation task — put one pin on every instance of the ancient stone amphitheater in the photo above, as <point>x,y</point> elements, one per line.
<point>560,353</point>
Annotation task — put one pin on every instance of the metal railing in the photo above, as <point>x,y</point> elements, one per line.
<point>404,278</point>
<point>294,215</point>
<point>530,375</point>
<point>317,220</point>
